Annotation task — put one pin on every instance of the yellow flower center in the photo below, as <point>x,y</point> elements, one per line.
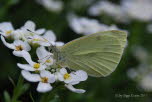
<point>48,61</point>
<point>44,79</point>
<point>8,32</point>
<point>66,76</point>
<point>19,48</point>
<point>36,66</point>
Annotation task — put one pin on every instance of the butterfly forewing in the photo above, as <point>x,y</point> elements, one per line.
<point>121,36</point>
<point>97,54</point>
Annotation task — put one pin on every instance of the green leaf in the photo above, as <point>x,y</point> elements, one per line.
<point>12,81</point>
<point>12,2</point>
<point>19,89</point>
<point>7,97</point>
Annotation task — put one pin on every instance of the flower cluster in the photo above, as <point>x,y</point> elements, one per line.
<point>117,12</point>
<point>51,5</point>
<point>27,40</point>
<point>83,25</point>
<point>127,10</point>
<point>142,73</point>
<point>135,8</point>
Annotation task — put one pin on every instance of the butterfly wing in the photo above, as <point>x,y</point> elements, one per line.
<point>97,54</point>
<point>121,36</point>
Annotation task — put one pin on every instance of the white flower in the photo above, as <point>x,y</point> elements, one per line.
<point>82,25</point>
<point>59,43</point>
<point>113,10</point>
<point>71,88</point>
<point>29,29</point>
<point>19,35</point>
<point>45,40</point>
<point>140,53</point>
<point>132,73</point>
<point>138,9</point>
<point>18,46</point>
<point>72,79</point>
<point>6,29</point>
<point>146,82</point>
<point>44,56</point>
<point>32,66</point>
<point>45,79</point>
<point>30,25</point>
<point>52,5</point>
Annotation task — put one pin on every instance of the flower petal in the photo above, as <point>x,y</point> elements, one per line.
<point>63,71</point>
<point>30,77</point>
<point>25,67</point>
<point>40,40</point>
<point>59,76</point>
<point>11,46</point>
<point>18,53</point>
<point>82,75</point>
<point>44,56</point>
<point>19,34</point>
<point>25,55</point>
<point>44,43</point>
<point>52,5</point>
<point>40,31</point>
<point>6,26</point>
<point>59,43</point>
<point>18,42</point>
<point>29,25</point>
<point>42,66</point>
<point>50,36</point>
<point>75,82</point>
<point>42,52</point>
<point>26,46</point>
<point>44,87</point>
<point>71,88</point>
<point>48,74</point>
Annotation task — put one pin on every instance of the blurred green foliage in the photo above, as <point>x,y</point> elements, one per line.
<point>98,89</point>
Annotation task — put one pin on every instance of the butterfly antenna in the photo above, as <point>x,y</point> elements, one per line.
<point>44,57</point>
<point>47,59</point>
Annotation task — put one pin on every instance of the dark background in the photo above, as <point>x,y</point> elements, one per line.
<point>98,89</point>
